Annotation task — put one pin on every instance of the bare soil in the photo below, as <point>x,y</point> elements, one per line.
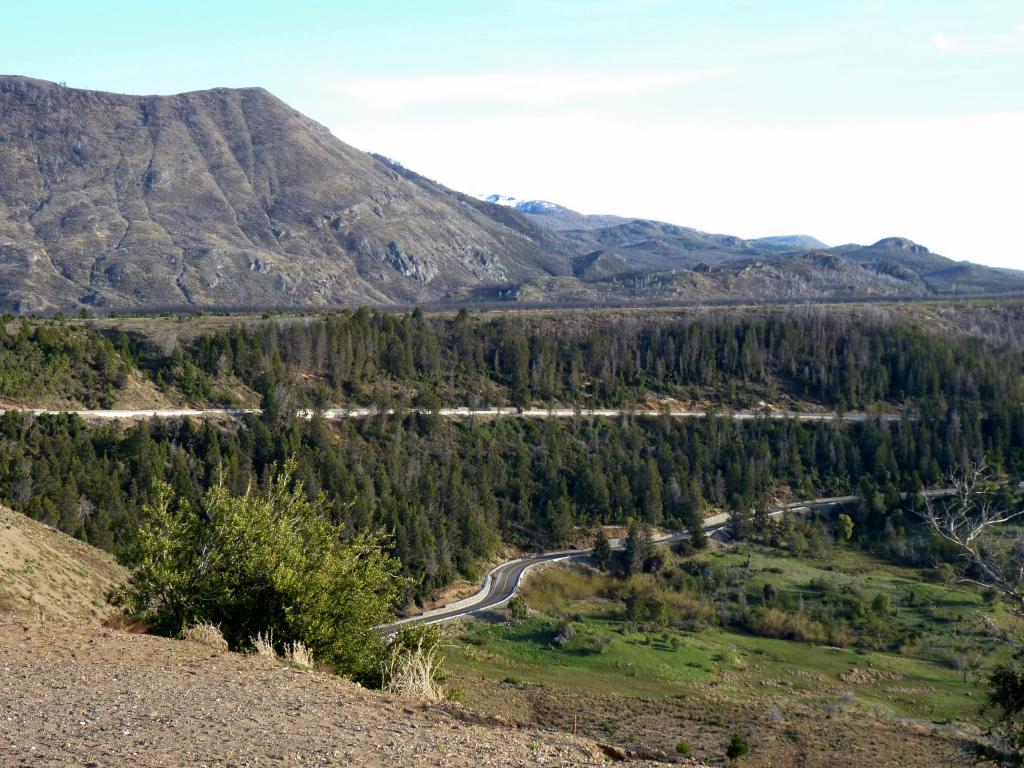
<point>45,573</point>
<point>88,696</point>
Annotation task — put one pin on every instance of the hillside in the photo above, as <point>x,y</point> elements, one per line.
<point>44,572</point>
<point>84,696</point>
<point>225,197</point>
<point>229,198</point>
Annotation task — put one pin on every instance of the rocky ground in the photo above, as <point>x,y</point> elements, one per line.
<point>89,696</point>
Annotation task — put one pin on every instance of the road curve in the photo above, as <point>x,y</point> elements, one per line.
<point>502,583</point>
<point>338,414</point>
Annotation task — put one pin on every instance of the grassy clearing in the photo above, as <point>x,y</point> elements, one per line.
<point>923,681</point>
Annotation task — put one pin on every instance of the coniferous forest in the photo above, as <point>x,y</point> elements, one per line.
<point>449,494</point>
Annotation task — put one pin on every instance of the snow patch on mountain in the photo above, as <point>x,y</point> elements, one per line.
<point>523,206</point>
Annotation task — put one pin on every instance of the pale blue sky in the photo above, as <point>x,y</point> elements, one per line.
<point>847,120</point>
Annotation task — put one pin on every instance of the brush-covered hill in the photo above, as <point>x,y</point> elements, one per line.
<point>46,573</point>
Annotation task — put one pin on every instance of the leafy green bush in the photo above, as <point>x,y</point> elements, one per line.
<point>267,561</point>
<point>683,748</point>
<point>882,604</point>
<point>518,609</point>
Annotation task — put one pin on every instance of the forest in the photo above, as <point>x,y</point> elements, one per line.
<point>842,360</point>
<point>450,494</point>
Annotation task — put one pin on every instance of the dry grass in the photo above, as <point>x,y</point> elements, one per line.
<point>263,643</point>
<point>414,672</point>
<point>205,633</point>
<point>45,573</point>
<point>298,654</point>
<point>552,591</point>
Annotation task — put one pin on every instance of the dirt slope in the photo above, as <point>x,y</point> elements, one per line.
<point>44,572</point>
<point>90,696</point>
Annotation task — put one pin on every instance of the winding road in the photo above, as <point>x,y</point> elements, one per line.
<point>502,583</point>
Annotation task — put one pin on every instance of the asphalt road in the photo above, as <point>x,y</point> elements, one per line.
<point>502,583</point>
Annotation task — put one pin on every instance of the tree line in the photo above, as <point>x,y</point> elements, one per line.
<point>845,360</point>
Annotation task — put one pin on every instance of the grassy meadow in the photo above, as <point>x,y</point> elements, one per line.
<point>906,689</point>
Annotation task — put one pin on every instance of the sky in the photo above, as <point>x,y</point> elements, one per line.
<point>847,120</point>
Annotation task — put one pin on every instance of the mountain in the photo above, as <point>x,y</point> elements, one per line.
<point>789,243</point>
<point>554,216</point>
<point>651,244</point>
<point>230,198</point>
<point>649,253</point>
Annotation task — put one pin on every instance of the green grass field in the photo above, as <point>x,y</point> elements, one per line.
<point>709,682</point>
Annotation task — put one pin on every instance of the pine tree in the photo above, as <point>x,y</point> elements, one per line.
<point>602,550</point>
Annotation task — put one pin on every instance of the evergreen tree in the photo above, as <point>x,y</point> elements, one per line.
<point>602,552</point>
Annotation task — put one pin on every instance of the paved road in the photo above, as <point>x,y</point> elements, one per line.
<point>335,414</point>
<point>502,583</point>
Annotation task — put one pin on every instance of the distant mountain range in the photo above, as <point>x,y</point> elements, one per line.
<point>229,198</point>
<point>617,249</point>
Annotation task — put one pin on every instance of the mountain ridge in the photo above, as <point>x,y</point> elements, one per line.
<point>230,198</point>
<point>215,197</point>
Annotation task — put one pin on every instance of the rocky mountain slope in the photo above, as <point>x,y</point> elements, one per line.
<point>231,199</point>
<point>226,197</point>
<point>618,245</point>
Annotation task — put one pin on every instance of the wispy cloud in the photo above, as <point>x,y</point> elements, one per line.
<point>1002,43</point>
<point>534,89</point>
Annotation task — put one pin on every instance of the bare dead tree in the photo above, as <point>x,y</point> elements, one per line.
<point>973,511</point>
<point>967,522</point>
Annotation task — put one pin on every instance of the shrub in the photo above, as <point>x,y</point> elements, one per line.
<point>882,604</point>
<point>518,610</point>
<point>737,748</point>
<point>683,748</point>
<point>412,665</point>
<point>566,633</point>
<point>645,604</point>
<point>771,622</point>
<point>264,562</point>
<point>206,634</point>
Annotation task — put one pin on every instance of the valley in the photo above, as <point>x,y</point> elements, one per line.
<point>687,678</point>
<point>569,425</point>
<point>547,384</point>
